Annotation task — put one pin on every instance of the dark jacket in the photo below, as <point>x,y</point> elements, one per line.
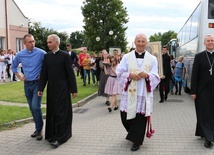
<point>74,58</point>
<point>200,73</point>
<point>166,66</point>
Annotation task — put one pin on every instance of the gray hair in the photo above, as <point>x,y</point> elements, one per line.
<point>208,35</point>
<point>56,37</point>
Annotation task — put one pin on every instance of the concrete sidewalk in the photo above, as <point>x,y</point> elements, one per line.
<point>97,132</point>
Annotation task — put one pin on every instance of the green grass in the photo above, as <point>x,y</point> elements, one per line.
<point>11,112</point>
<point>14,92</point>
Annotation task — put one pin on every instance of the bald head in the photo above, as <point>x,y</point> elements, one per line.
<point>141,35</point>
<point>140,42</point>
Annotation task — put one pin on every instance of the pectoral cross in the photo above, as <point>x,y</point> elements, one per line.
<point>211,71</point>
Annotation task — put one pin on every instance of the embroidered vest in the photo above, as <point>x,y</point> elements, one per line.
<point>133,67</point>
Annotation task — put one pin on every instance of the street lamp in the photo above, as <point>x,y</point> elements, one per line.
<point>104,31</point>
<point>111,32</point>
<point>97,38</point>
<point>104,37</point>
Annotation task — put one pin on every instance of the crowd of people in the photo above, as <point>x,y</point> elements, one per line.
<point>173,75</point>
<point>90,66</point>
<point>134,76</point>
<point>6,58</point>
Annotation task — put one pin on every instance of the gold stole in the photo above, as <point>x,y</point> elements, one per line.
<point>132,89</point>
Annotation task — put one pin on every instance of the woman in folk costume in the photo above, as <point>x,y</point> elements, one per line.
<point>137,73</point>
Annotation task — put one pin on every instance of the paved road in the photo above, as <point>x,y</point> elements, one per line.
<point>98,132</point>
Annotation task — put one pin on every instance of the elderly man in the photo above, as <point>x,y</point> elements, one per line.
<point>137,73</point>
<point>57,71</point>
<point>202,88</point>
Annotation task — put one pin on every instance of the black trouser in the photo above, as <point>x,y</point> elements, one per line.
<point>81,72</point>
<point>98,74</point>
<point>8,70</point>
<point>136,127</point>
<point>164,84</point>
<point>78,70</point>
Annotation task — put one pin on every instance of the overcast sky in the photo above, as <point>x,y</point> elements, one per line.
<point>148,17</point>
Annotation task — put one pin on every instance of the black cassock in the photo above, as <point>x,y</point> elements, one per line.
<point>58,73</point>
<point>202,84</point>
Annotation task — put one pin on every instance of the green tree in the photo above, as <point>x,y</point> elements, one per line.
<point>77,39</point>
<point>155,37</point>
<point>164,38</point>
<point>102,18</point>
<point>63,39</point>
<point>40,35</point>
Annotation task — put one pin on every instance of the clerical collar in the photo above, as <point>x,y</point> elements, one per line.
<point>211,52</point>
<point>54,52</point>
<point>139,55</point>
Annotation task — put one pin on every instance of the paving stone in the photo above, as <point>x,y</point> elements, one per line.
<point>98,132</point>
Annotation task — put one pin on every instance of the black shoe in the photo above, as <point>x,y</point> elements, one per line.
<point>55,144</point>
<point>33,135</point>
<point>50,140</point>
<point>84,84</point>
<point>39,135</point>
<point>176,93</point>
<point>115,108</point>
<point>107,103</point>
<point>208,144</point>
<point>161,101</point>
<point>172,92</point>
<point>166,97</point>
<point>135,147</point>
<point>179,93</point>
<point>109,109</point>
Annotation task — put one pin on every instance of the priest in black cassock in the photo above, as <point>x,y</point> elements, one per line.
<point>202,91</point>
<point>58,74</point>
<point>165,79</point>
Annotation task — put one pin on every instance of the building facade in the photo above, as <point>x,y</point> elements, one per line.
<point>13,26</point>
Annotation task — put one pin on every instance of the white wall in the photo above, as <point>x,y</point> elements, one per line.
<point>15,16</point>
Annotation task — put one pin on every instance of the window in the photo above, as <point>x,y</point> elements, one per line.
<point>188,30</point>
<point>211,9</point>
<point>2,43</point>
<point>194,26</point>
<point>18,44</point>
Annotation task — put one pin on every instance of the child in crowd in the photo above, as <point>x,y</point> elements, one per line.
<point>112,87</point>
